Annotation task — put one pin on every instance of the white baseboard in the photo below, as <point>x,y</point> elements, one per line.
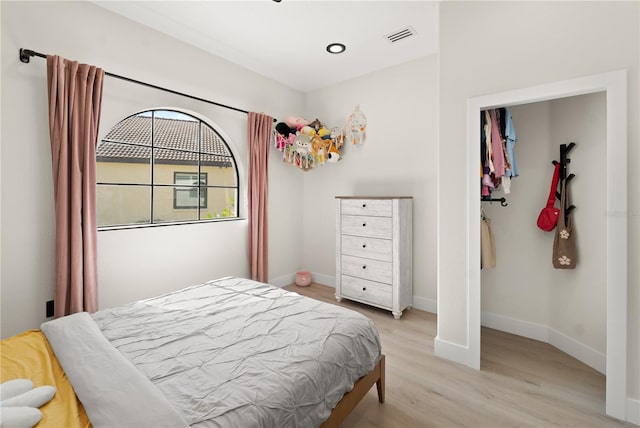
<point>284,280</point>
<point>594,359</point>
<point>320,278</point>
<point>290,278</point>
<point>591,357</point>
<point>515,326</point>
<point>633,411</point>
<point>451,351</point>
<point>425,304</point>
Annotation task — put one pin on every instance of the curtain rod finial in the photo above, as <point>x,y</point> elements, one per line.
<point>25,55</point>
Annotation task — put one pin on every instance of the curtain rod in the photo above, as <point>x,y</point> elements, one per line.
<point>26,54</point>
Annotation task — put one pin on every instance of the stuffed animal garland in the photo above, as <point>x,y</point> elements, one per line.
<point>19,402</point>
<point>306,145</point>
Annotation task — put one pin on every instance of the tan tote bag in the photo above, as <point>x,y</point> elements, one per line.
<point>487,244</point>
<point>564,242</point>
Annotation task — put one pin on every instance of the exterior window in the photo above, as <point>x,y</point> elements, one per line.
<point>186,196</point>
<point>164,166</point>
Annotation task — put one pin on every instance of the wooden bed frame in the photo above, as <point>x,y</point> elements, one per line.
<point>353,397</point>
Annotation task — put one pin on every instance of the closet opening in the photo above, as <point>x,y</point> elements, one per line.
<point>581,311</point>
<point>522,292</point>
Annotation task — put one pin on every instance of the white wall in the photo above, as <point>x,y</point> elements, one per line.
<point>577,305</point>
<point>524,286</point>
<point>539,43</point>
<point>398,158</point>
<point>132,263</point>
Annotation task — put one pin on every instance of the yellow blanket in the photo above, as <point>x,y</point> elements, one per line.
<point>28,355</point>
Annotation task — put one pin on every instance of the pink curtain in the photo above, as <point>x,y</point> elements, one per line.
<point>259,131</point>
<point>75,96</point>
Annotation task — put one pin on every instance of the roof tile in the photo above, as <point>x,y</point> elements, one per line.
<point>127,140</point>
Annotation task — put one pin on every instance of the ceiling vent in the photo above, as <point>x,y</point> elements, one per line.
<point>396,36</point>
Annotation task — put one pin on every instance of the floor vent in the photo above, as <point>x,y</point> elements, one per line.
<point>401,34</point>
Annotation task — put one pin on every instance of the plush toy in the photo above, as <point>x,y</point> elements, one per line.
<point>324,133</point>
<point>318,149</point>
<point>333,154</point>
<point>284,129</point>
<point>20,401</point>
<point>307,130</point>
<point>356,126</point>
<point>316,124</point>
<point>295,122</point>
<point>303,144</point>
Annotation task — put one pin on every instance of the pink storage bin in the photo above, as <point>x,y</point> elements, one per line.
<point>303,278</point>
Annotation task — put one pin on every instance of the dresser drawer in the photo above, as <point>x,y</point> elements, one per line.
<point>367,291</point>
<point>374,270</point>
<point>376,227</point>
<point>370,207</point>
<point>371,248</point>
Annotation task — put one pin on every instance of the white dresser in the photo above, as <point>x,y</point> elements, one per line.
<point>374,257</point>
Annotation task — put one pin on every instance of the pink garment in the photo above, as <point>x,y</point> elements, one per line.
<point>496,145</point>
<point>488,181</point>
<point>75,97</point>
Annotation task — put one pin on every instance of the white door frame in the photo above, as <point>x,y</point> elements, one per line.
<point>615,85</point>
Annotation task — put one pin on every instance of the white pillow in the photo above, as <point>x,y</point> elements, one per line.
<point>34,398</point>
<point>19,417</point>
<point>14,387</point>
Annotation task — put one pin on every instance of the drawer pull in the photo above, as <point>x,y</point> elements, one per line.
<point>364,205</point>
<point>364,224</point>
<point>364,266</point>
<point>364,288</point>
<point>364,245</point>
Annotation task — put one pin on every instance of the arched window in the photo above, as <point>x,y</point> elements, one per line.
<point>164,166</point>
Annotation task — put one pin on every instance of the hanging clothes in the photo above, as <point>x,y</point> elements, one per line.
<point>483,144</point>
<point>497,152</point>
<point>505,180</point>
<point>511,139</point>
<point>487,243</point>
<point>486,154</point>
<point>496,145</point>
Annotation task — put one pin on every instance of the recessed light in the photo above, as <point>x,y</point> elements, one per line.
<point>336,48</point>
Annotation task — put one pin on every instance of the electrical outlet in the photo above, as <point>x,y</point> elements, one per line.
<point>49,308</point>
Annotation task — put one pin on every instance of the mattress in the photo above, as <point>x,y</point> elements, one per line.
<point>227,353</point>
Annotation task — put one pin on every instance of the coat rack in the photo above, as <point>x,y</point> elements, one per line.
<point>564,161</point>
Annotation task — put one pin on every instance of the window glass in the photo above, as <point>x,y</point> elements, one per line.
<point>164,166</point>
<point>192,189</point>
<point>111,199</point>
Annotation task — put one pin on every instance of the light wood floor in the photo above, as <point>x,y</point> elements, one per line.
<point>522,383</point>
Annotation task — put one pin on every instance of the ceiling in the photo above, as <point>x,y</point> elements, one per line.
<point>286,41</point>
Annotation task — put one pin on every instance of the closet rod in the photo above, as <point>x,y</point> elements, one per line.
<point>26,54</point>
<point>503,201</point>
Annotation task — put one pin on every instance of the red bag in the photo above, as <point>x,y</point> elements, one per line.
<point>548,217</point>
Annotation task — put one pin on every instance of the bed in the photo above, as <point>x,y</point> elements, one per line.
<point>227,353</point>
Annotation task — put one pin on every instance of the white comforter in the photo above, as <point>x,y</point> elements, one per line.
<point>238,353</point>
